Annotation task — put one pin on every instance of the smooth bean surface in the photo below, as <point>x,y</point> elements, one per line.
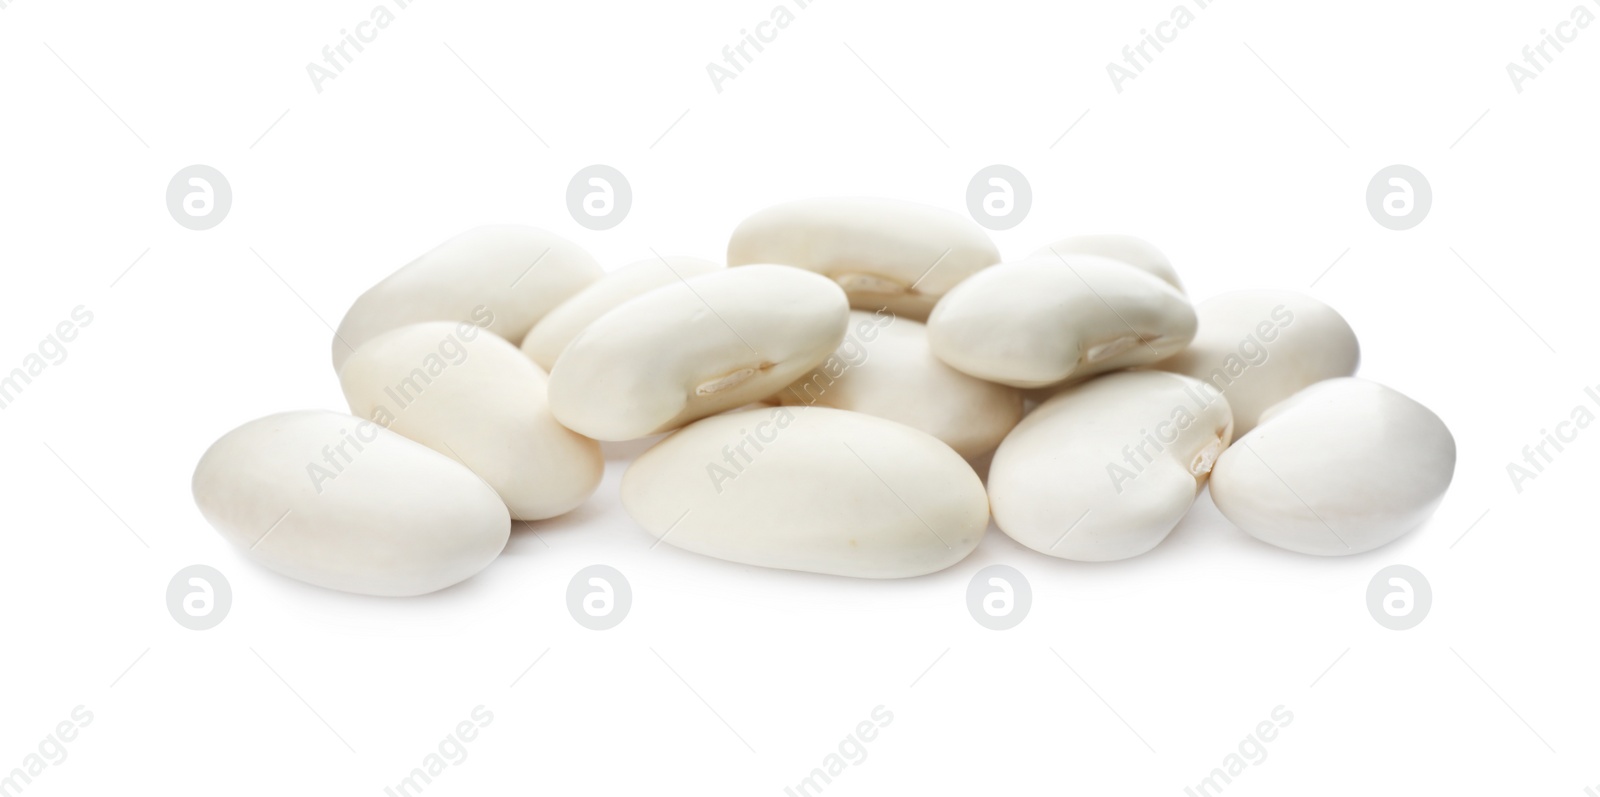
<point>1106,468</point>
<point>1038,323</point>
<point>813,489</point>
<point>508,275</point>
<point>1260,347</point>
<point>1136,252</point>
<point>472,396</point>
<point>550,336</point>
<point>343,503</point>
<point>1342,467</point>
<point>691,349</point>
<point>885,368</point>
<point>885,253</point>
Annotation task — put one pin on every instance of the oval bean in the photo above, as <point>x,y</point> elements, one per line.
<point>885,253</point>
<point>885,368</point>
<point>691,349</point>
<point>475,398</point>
<point>505,276</point>
<point>813,489</point>
<point>1037,323</point>
<point>1106,468</point>
<point>1342,467</point>
<point>343,503</point>
<point>550,336</point>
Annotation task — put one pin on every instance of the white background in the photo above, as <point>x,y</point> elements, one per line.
<point>1136,677</point>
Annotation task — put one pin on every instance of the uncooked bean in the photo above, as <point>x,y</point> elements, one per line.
<point>1339,468</point>
<point>509,276</point>
<point>1106,468</point>
<point>1260,347</point>
<point>1037,323</point>
<point>813,489</point>
<point>691,349</point>
<point>1136,252</point>
<point>343,503</point>
<point>551,335</point>
<point>885,253</point>
<point>885,368</point>
<point>471,396</point>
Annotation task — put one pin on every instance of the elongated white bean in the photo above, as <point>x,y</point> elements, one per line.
<point>691,349</point>
<point>1106,468</point>
<point>343,503</point>
<point>509,275</point>
<point>1036,323</point>
<point>813,489</point>
<point>885,368</point>
<point>885,253</point>
<point>551,335</point>
<point>471,396</point>
<point>1136,252</point>
<point>1260,347</point>
<point>1339,468</point>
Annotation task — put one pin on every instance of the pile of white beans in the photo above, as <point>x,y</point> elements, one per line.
<point>824,398</point>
